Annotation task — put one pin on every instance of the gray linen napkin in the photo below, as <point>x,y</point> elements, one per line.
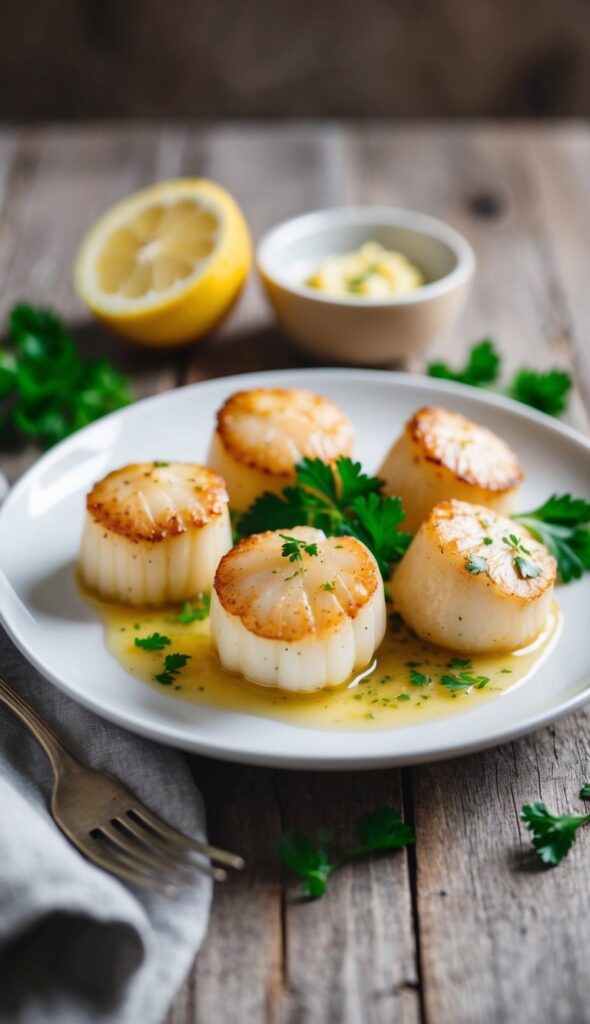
<point>76,945</point>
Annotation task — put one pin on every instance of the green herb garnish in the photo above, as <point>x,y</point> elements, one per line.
<point>463,681</point>
<point>293,548</point>
<point>153,642</point>
<point>46,390</point>
<point>527,569</point>
<point>159,464</point>
<point>419,678</point>
<point>341,500</point>
<point>315,862</point>
<point>193,612</point>
<point>482,366</point>
<point>457,662</point>
<point>476,564</point>
<point>553,834</point>
<point>329,586</point>
<point>562,525</point>
<point>585,791</point>
<point>173,663</point>
<point>547,391</point>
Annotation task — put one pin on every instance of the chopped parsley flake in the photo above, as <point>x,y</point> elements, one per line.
<point>153,642</point>
<point>527,569</point>
<point>173,663</point>
<point>419,678</point>
<point>476,564</point>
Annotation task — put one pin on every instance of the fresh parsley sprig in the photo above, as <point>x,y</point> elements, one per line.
<point>340,500</point>
<point>545,390</point>
<point>463,682</point>
<point>562,524</point>
<point>47,390</point>
<point>553,834</point>
<point>481,368</point>
<point>293,548</point>
<point>315,862</point>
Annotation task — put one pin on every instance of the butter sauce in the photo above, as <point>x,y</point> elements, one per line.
<point>382,697</point>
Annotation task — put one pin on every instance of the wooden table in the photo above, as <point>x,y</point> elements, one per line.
<point>464,927</point>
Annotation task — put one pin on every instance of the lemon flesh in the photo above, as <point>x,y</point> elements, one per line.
<point>165,265</point>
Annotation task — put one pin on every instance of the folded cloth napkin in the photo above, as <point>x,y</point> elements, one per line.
<point>77,945</point>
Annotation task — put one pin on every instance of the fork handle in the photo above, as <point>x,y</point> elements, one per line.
<point>53,747</point>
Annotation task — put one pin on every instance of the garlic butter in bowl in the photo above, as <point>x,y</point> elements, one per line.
<point>367,285</point>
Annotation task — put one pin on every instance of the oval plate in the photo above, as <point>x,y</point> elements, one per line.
<point>40,526</point>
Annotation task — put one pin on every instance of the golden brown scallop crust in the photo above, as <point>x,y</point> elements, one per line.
<point>464,449</point>
<point>120,502</point>
<point>460,528</point>
<point>312,611</point>
<point>329,429</point>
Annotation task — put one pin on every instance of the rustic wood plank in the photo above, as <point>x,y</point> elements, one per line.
<point>237,977</point>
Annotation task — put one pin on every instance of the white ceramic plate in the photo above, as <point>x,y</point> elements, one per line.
<point>40,525</point>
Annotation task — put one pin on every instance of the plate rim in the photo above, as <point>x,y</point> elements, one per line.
<point>166,733</point>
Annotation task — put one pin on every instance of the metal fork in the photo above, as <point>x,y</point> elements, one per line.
<point>109,825</point>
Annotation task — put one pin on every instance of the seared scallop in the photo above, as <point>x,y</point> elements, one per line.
<point>262,434</point>
<point>297,610</point>
<point>154,532</point>
<point>442,455</point>
<point>473,580</point>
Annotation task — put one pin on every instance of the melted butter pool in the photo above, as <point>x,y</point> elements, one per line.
<point>403,687</point>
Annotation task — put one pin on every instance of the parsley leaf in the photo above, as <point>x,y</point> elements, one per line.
<point>311,863</point>
<point>476,564</point>
<point>293,548</point>
<point>381,830</point>
<point>153,642</point>
<point>173,663</point>
<point>553,834</point>
<point>463,681</point>
<point>47,391</point>
<point>340,500</point>
<point>562,525</point>
<point>547,391</point>
<point>193,612</point>
<point>585,791</point>
<point>314,863</point>
<point>456,662</point>
<point>527,569</point>
<point>419,678</point>
<point>482,366</point>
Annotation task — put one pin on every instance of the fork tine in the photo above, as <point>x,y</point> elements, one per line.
<point>168,833</point>
<point>173,854</point>
<point>116,864</point>
<point>173,859</point>
<point>143,857</point>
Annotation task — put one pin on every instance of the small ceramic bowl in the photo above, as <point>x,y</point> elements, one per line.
<point>354,329</point>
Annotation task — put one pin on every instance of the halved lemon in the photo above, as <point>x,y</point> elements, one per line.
<point>165,265</point>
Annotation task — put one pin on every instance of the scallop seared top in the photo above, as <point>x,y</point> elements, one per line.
<point>150,501</point>
<point>494,548</point>
<point>272,429</point>
<point>330,580</point>
<point>469,452</point>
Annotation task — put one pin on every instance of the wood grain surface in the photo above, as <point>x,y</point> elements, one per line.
<point>465,927</point>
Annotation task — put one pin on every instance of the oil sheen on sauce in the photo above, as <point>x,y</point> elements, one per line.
<point>409,682</point>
